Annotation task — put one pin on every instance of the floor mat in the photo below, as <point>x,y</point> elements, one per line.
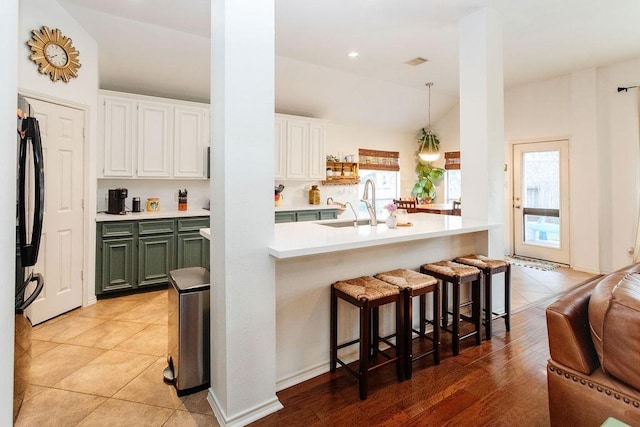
<point>533,263</point>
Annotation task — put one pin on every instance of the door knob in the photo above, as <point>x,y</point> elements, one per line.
<point>516,206</point>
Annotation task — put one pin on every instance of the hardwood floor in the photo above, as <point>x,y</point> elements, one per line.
<point>502,382</point>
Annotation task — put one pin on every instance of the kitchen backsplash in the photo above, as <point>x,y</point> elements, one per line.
<point>165,190</point>
<point>296,194</point>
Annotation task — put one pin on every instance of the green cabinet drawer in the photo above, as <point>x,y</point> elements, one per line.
<point>308,215</point>
<point>117,229</point>
<point>192,224</point>
<point>285,217</point>
<point>156,227</point>
<point>329,214</point>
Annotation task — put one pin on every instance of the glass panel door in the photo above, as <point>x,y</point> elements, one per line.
<point>540,201</point>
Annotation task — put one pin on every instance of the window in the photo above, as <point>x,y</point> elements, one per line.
<point>387,185</point>
<point>382,167</point>
<point>452,185</point>
<point>453,189</point>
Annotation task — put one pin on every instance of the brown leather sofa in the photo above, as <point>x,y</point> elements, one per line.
<point>589,383</point>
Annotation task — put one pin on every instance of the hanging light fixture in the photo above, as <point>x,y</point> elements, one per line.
<point>430,144</point>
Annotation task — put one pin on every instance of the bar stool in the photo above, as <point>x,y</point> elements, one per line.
<point>413,284</point>
<point>368,294</point>
<point>490,267</point>
<point>457,274</point>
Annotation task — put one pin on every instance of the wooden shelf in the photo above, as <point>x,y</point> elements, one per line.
<point>343,173</point>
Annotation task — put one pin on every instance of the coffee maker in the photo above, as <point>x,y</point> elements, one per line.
<point>116,201</point>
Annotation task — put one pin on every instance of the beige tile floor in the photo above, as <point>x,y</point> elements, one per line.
<point>102,365</point>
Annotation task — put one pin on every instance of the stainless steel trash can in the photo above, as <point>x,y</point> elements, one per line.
<point>188,349</point>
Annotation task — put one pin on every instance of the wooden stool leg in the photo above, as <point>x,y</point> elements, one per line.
<point>488,304</point>
<point>375,331</point>
<point>365,345</point>
<point>445,303</point>
<point>456,317</point>
<point>507,298</point>
<point>436,326</point>
<point>476,309</point>
<point>403,311</point>
<point>333,345</point>
<point>423,314</point>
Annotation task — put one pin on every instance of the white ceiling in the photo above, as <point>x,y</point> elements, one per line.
<point>161,47</point>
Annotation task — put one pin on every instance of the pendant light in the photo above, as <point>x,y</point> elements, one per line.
<point>429,149</point>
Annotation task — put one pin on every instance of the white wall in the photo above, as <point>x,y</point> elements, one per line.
<point>80,92</point>
<point>602,127</point>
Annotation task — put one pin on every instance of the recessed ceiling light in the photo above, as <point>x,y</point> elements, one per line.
<point>416,61</point>
<point>353,54</point>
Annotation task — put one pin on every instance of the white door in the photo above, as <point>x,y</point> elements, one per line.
<point>541,200</point>
<point>297,149</point>
<point>61,252</point>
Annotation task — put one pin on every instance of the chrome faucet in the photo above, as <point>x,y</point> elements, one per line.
<point>365,198</point>
<point>355,215</point>
<point>329,200</point>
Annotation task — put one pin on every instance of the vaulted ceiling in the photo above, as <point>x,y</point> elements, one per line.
<point>161,47</point>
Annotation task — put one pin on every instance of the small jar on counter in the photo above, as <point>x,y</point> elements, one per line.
<point>314,195</point>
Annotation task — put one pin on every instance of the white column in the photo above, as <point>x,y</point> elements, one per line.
<point>482,122</point>
<point>242,217</point>
<point>8,137</point>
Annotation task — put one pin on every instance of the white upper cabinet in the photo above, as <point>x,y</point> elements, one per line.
<point>280,148</point>
<point>191,137</point>
<point>148,137</point>
<point>317,158</point>
<point>301,149</point>
<point>116,130</point>
<point>154,139</point>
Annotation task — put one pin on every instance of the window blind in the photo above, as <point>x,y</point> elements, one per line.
<point>378,160</point>
<point>452,160</point>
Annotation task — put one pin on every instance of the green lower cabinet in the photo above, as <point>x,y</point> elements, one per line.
<point>117,267</point>
<point>193,251</point>
<point>155,259</point>
<point>137,254</point>
<point>306,215</point>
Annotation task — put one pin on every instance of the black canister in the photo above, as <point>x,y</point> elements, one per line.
<point>136,204</point>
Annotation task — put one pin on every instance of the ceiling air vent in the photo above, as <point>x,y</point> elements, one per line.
<point>416,61</point>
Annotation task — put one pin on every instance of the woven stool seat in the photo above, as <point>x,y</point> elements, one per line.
<point>414,284</point>
<point>407,279</point>
<point>366,287</point>
<point>451,269</point>
<point>481,261</point>
<point>490,267</point>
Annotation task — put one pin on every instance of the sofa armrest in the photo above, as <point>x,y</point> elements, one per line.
<point>569,332</point>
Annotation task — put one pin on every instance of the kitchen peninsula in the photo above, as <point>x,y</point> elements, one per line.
<point>312,255</point>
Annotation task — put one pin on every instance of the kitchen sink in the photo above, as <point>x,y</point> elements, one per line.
<point>342,224</point>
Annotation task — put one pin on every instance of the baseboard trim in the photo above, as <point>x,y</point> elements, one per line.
<point>246,417</point>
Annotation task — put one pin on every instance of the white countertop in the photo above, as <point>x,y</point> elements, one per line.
<point>294,239</point>
<point>133,216</point>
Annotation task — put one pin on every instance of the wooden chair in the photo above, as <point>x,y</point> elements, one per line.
<point>408,204</point>
<point>457,210</point>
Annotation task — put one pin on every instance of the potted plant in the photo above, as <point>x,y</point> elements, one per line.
<point>428,175</point>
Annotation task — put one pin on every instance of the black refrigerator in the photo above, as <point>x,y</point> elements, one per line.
<point>30,215</point>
